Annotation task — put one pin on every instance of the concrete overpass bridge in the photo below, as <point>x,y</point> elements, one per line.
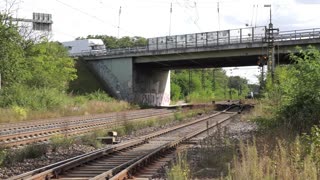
<point>142,74</point>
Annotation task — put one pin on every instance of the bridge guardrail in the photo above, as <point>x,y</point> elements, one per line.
<point>208,39</point>
<point>298,34</point>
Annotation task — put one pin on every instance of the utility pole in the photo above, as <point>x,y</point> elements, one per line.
<point>170,19</point>
<point>119,22</point>
<point>270,40</point>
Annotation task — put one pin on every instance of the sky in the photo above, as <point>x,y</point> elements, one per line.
<point>151,18</point>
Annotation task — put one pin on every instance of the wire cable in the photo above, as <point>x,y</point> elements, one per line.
<point>92,16</point>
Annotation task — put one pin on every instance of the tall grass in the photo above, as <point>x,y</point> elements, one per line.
<point>60,141</point>
<point>42,104</point>
<point>91,138</point>
<point>285,162</point>
<point>180,170</point>
<point>8,157</point>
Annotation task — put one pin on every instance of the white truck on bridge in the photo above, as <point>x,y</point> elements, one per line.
<point>85,47</point>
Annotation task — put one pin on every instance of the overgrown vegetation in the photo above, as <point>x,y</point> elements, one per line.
<point>293,98</point>
<point>286,145</point>
<point>30,103</point>
<point>285,158</point>
<point>206,85</point>
<point>291,105</point>
<point>180,169</point>
<point>35,77</point>
<point>29,152</point>
<point>60,141</point>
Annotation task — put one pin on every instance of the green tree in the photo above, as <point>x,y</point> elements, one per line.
<point>197,84</point>
<point>238,84</point>
<point>49,66</point>
<point>12,62</point>
<point>298,88</point>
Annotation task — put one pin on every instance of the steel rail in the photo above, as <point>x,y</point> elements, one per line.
<point>53,172</point>
<point>32,124</point>
<point>44,135</point>
<point>126,173</point>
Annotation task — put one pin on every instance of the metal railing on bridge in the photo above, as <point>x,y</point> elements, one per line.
<point>207,39</point>
<point>298,34</point>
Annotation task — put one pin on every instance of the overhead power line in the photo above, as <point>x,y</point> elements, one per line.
<point>187,8</point>
<point>92,16</point>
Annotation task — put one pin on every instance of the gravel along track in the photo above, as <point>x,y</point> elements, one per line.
<point>121,158</point>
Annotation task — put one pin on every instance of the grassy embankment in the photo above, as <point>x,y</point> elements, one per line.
<point>21,103</point>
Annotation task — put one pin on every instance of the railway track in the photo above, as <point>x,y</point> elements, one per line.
<point>14,135</point>
<point>122,160</point>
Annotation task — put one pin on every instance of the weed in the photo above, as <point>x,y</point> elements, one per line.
<point>91,139</point>
<point>60,141</point>
<point>99,96</point>
<point>129,127</point>
<point>3,154</point>
<point>28,152</point>
<point>180,169</point>
<point>34,151</point>
<point>178,116</point>
<point>288,160</point>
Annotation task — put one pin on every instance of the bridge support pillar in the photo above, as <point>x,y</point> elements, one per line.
<point>152,86</point>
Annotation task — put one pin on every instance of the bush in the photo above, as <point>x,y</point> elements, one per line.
<point>99,96</point>
<point>129,127</point>
<point>60,141</point>
<point>298,91</point>
<point>201,96</point>
<point>29,152</point>
<point>34,151</point>
<point>178,116</point>
<point>175,92</point>
<point>32,98</point>
<point>91,139</point>
<point>21,113</point>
